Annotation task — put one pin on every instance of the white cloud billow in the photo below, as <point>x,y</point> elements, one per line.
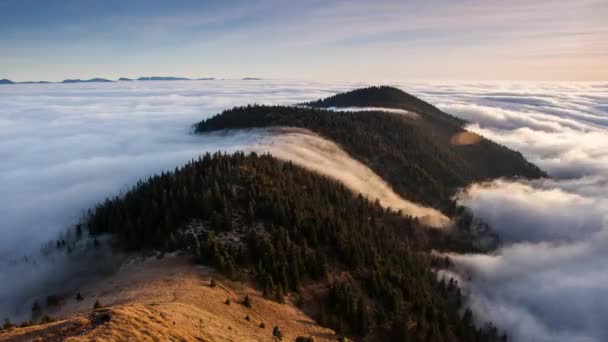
<point>65,148</point>
<point>549,281</point>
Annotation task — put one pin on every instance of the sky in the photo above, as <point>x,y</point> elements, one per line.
<point>313,40</point>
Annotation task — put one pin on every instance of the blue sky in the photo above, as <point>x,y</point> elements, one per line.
<point>323,40</point>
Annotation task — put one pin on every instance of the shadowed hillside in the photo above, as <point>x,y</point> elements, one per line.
<point>425,159</point>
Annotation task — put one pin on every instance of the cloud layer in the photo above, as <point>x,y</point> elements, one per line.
<point>548,282</point>
<point>67,147</point>
<point>64,148</point>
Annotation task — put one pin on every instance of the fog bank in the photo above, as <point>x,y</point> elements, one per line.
<point>549,281</point>
<point>313,152</point>
<point>66,147</point>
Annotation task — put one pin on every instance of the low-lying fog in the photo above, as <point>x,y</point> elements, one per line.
<point>549,282</point>
<point>65,147</point>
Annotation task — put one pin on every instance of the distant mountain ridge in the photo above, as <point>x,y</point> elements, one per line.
<point>163,78</point>
<point>122,79</point>
<point>92,80</point>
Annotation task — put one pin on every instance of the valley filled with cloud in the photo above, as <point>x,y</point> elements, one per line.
<point>65,148</point>
<point>548,280</point>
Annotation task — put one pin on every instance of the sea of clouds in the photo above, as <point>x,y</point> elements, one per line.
<point>309,150</point>
<point>549,281</point>
<point>65,147</point>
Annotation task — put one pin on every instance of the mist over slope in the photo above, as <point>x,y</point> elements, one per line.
<point>313,152</point>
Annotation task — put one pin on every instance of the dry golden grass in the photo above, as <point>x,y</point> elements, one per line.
<point>170,300</point>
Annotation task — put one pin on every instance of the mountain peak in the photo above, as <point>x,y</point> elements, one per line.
<point>388,97</point>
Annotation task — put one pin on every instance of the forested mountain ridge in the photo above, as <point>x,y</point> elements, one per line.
<point>387,97</point>
<point>255,217</point>
<point>423,159</point>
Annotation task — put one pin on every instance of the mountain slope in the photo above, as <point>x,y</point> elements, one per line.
<point>170,299</point>
<point>425,159</point>
<point>290,230</point>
